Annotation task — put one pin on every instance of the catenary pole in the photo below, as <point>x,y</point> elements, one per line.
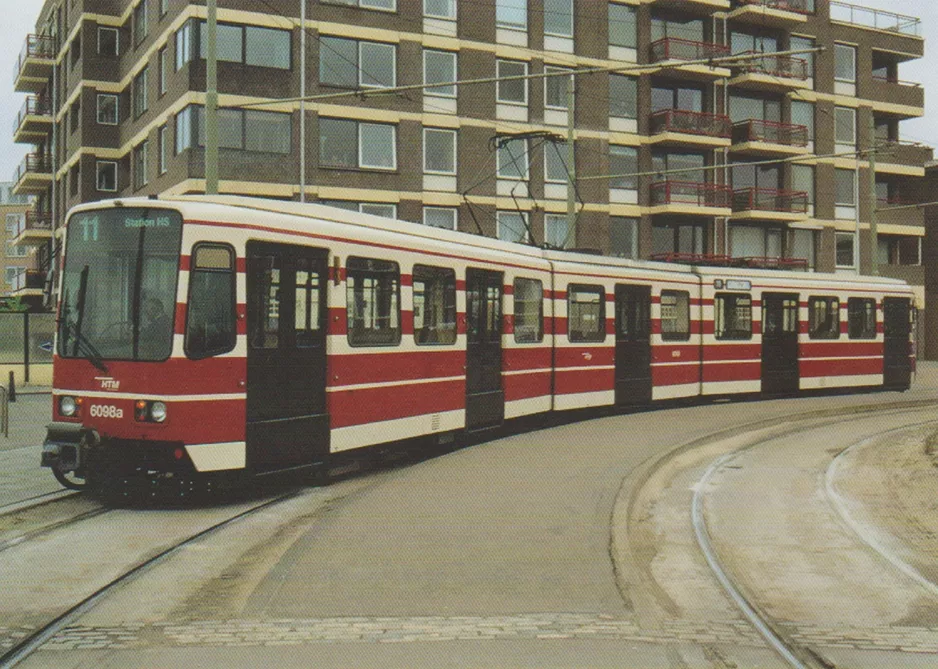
<point>211,101</point>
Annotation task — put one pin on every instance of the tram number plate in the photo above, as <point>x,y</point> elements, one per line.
<point>106,411</point>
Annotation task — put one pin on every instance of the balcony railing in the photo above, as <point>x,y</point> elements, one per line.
<point>799,6</point>
<point>674,48</point>
<point>33,106</point>
<point>33,221</point>
<point>785,67</point>
<point>720,260</point>
<point>690,192</point>
<point>34,163</point>
<point>875,18</point>
<point>30,279</point>
<point>902,153</point>
<point>36,46</point>
<point>690,123</point>
<point>770,199</point>
<point>757,130</point>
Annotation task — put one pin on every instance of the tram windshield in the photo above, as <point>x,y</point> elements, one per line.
<point>119,285</point>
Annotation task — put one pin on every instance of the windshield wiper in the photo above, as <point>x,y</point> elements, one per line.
<point>81,342</point>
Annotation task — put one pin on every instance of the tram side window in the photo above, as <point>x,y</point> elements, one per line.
<point>434,305</point>
<point>586,313</point>
<point>823,318</point>
<point>210,315</point>
<point>373,302</point>
<point>675,315</point>
<point>732,316</point>
<point>861,318</point>
<point>529,311</point>
<point>308,314</point>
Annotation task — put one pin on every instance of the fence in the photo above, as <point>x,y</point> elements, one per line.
<point>26,347</point>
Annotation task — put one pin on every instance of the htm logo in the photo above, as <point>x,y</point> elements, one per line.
<point>107,383</point>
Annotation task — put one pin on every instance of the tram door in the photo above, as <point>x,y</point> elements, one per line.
<point>780,343</point>
<point>485,399</point>
<point>633,345</point>
<point>287,423</point>
<point>897,367</point>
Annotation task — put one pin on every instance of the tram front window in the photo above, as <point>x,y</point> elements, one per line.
<point>119,284</point>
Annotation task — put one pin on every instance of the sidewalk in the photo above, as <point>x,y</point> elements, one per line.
<point>20,473</point>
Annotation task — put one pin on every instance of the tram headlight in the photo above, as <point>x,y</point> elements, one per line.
<point>68,407</point>
<point>157,412</point>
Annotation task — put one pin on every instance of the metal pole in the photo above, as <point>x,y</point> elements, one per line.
<point>874,239</point>
<point>856,219</point>
<point>303,101</point>
<point>26,347</point>
<point>571,162</point>
<point>211,101</point>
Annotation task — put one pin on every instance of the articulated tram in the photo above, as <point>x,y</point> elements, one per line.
<point>208,338</point>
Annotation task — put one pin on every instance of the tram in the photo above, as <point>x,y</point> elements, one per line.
<point>219,338</point>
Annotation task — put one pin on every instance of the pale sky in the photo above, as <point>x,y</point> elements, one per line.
<point>21,21</point>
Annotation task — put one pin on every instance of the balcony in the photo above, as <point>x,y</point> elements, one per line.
<point>679,126</point>
<point>34,174</point>
<point>672,49</point>
<point>771,13</point>
<point>28,282</point>
<point>706,6</point>
<point>756,136</point>
<point>903,158</point>
<point>777,74</point>
<point>35,230</point>
<point>769,204</point>
<point>690,197</point>
<point>34,65</point>
<point>875,19</point>
<point>33,122</point>
<point>901,98</point>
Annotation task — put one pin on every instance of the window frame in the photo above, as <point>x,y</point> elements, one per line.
<point>117,41</point>
<point>453,210</point>
<point>449,286</point>
<point>842,113</point>
<point>841,49</point>
<point>232,272</point>
<point>161,60</point>
<point>572,14</point>
<point>162,139</point>
<point>629,9</point>
<point>723,302</point>
<point>361,147</point>
<point>141,167</point>
<point>141,94</point>
<point>675,335</point>
<point>526,238</point>
<point>455,146</point>
<point>522,162</point>
<point>99,164</point>
<point>507,25</point>
<point>116,99</point>
<point>548,217</point>
<point>828,334</point>
<point>451,3</point>
<point>538,334</point>
<point>596,289</point>
<point>361,340</point>
<point>866,330</point>
<point>550,69</point>
<point>434,91</point>
<point>141,27</point>
<point>499,63</point>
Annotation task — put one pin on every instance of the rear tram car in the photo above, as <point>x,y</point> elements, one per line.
<point>208,338</point>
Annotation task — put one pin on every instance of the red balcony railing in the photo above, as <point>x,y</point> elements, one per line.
<point>785,67</point>
<point>33,106</point>
<point>770,199</point>
<point>36,46</point>
<point>675,48</point>
<point>689,122</point>
<point>799,6</point>
<point>38,221</point>
<point>34,163</point>
<point>691,192</point>
<point>719,260</point>
<point>757,130</point>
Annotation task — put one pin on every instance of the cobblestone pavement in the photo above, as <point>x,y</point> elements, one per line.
<point>429,629</point>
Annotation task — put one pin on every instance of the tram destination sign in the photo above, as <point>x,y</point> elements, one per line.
<point>732,284</point>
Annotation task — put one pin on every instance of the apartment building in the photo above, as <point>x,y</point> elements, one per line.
<point>18,267</point>
<point>677,151</point>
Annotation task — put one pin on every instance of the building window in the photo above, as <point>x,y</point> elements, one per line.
<point>899,250</point>
<point>439,67</point>
<point>184,44</point>
<point>675,315</point>
<point>513,159</point>
<point>239,129</point>
<point>140,22</point>
<point>622,26</point>
<point>802,113</point>
<point>353,144</point>
<point>439,151</point>
<point>163,148</point>
<point>745,108</point>
<point>555,163</point>
<point>845,251</point>
<point>141,101</point>
<point>528,319</point>
<point>557,231</point>
<point>267,47</point>
<point>845,128</point>
<point>586,313</point>
<point>802,180</point>
<point>679,238</point>
<point>107,176</point>
<point>514,91</point>
<point>440,217</point>
<point>732,316</point>
<point>107,109</point>
<point>434,290</point>
<point>511,14</point>
<point>623,164</point>
<point>356,64</point>
<point>16,251</point>
<point>108,41</point>
<point>803,245</point>
<point>796,43</point>
<point>75,116</point>
<point>373,302</point>
<point>164,7</point>
<point>823,318</point>
<point>623,237</point>
<point>381,209</point>
<point>861,318</point>
<point>512,226</point>
<point>845,193</point>
<point>623,96</point>
<point>185,120</point>
<point>386,5</point>
<point>845,63</point>
<point>161,64</point>
<point>555,87</point>
<point>440,9</point>
<point>141,160</point>
<point>558,18</point>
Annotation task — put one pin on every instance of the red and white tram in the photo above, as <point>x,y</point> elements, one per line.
<point>206,336</point>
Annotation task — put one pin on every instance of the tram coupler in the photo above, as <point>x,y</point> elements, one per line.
<point>65,446</point>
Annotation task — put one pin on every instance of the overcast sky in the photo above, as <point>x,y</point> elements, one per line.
<point>21,21</point>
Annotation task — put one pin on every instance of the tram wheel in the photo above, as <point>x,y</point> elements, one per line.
<point>69,480</point>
